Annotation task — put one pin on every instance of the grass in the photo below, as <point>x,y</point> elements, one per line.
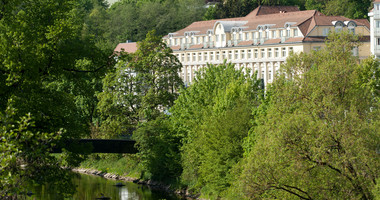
<point>120,164</point>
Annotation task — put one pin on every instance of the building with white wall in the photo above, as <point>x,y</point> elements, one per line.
<point>374,16</point>
<point>260,41</point>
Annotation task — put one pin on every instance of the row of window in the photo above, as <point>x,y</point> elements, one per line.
<point>242,36</point>
<point>246,36</point>
<point>188,72</point>
<point>208,56</point>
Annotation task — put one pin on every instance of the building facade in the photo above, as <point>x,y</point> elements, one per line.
<point>374,16</point>
<point>260,41</point>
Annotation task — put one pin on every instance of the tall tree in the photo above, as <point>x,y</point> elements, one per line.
<point>45,61</point>
<point>143,85</point>
<point>132,20</point>
<point>353,9</point>
<point>318,137</point>
<point>212,117</point>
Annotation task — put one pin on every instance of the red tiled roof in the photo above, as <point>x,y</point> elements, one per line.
<point>245,43</point>
<point>314,39</point>
<point>364,22</point>
<point>265,10</point>
<point>201,27</point>
<point>275,17</point>
<point>126,47</point>
<point>175,47</point>
<point>196,46</point>
<point>272,41</point>
<point>294,39</point>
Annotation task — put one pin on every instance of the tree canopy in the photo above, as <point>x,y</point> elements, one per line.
<point>212,116</point>
<point>353,9</point>
<point>318,137</point>
<point>48,76</point>
<point>143,85</point>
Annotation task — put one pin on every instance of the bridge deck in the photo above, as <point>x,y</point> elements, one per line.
<point>98,146</point>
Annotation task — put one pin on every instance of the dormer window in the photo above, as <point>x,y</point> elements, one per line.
<point>351,26</point>
<point>260,31</point>
<point>287,26</point>
<point>338,26</point>
<point>295,32</point>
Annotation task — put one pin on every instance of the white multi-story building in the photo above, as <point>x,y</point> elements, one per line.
<point>260,41</point>
<point>375,28</point>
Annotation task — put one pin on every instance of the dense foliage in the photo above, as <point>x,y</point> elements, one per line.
<point>353,9</point>
<point>48,73</point>
<point>25,157</point>
<point>133,19</point>
<point>313,134</point>
<point>212,117</point>
<point>318,137</point>
<point>142,85</point>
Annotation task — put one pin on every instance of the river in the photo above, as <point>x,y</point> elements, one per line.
<point>91,187</point>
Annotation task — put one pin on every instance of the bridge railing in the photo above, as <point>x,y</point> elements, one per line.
<point>97,146</point>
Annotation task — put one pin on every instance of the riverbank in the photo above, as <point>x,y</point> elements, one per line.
<point>151,184</point>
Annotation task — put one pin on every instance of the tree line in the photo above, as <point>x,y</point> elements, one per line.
<point>311,134</point>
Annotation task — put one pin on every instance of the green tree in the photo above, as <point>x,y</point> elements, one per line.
<point>241,8</point>
<point>318,135</point>
<point>25,157</point>
<point>132,20</point>
<point>143,85</point>
<point>46,61</point>
<point>46,67</point>
<point>353,9</point>
<point>212,117</point>
<point>159,150</point>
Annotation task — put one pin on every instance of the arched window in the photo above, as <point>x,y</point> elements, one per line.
<point>351,27</point>
<point>338,26</point>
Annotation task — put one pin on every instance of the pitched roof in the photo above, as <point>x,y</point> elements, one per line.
<point>126,47</point>
<point>364,22</point>
<point>265,10</point>
<point>272,16</point>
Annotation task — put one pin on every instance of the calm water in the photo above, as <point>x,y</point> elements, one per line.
<point>90,187</point>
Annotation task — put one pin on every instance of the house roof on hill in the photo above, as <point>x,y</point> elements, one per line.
<point>130,47</point>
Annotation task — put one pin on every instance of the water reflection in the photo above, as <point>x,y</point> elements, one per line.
<point>92,187</point>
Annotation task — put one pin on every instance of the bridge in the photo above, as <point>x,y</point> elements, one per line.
<point>97,146</point>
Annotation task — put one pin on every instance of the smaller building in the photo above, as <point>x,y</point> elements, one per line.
<point>129,47</point>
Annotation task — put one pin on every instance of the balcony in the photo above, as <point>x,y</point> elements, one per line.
<point>377,32</point>
<point>232,42</point>
<point>185,46</point>
<point>376,14</point>
<point>284,38</point>
<point>377,50</point>
<point>208,45</point>
<point>258,41</point>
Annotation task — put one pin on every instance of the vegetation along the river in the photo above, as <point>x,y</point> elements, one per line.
<point>311,134</point>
